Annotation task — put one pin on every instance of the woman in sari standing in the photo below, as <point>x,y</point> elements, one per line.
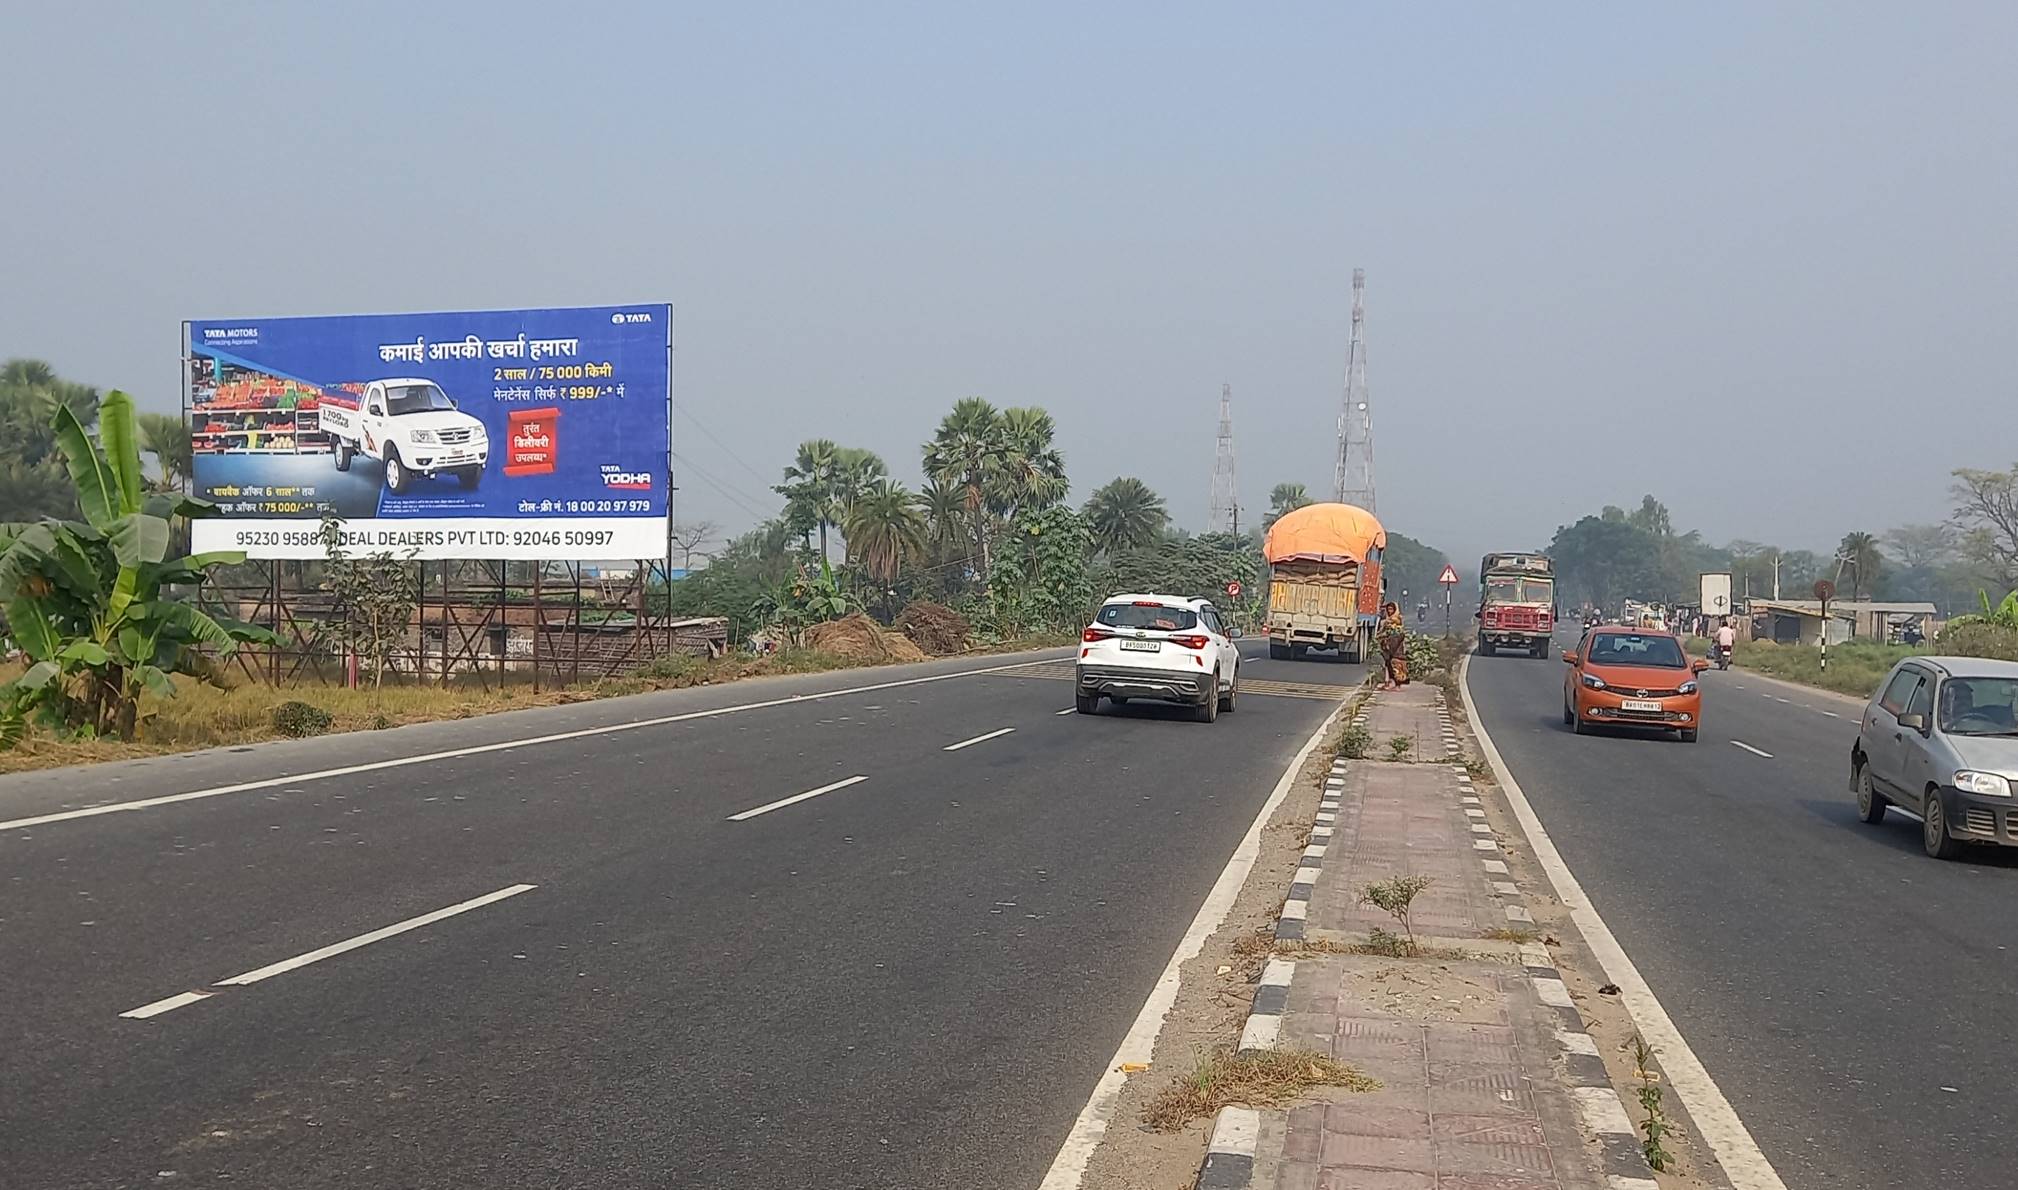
<point>1393,641</point>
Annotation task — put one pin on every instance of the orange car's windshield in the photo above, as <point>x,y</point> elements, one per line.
<point>1624,648</point>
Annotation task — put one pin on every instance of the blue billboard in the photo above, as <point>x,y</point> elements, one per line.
<point>525,434</point>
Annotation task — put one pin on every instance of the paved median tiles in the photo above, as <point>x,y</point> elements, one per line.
<point>1487,1075</point>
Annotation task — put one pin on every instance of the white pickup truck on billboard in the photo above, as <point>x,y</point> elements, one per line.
<point>412,428</point>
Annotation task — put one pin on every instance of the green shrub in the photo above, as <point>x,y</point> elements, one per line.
<point>1979,638</point>
<point>1353,742</point>
<point>299,720</point>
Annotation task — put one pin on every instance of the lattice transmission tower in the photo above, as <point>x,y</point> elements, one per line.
<point>1225,516</point>
<point>1354,478</point>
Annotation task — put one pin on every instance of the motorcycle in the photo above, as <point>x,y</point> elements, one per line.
<point>1722,653</point>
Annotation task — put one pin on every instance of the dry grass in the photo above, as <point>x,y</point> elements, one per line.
<point>1510,934</point>
<point>203,716</point>
<point>1254,1078</point>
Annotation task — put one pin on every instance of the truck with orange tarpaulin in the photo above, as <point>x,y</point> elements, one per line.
<point>1324,582</point>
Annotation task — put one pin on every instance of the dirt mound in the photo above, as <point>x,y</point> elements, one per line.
<point>934,627</point>
<point>858,638</point>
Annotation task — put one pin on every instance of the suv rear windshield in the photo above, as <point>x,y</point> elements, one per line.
<point>1979,706</point>
<point>1631,648</point>
<point>1152,616</point>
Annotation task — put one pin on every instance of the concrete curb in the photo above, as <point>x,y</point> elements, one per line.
<point>1229,1159</point>
<point>1289,927</point>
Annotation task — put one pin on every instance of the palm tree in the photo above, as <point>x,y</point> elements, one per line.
<point>1125,514</point>
<point>884,529</point>
<point>969,454</point>
<point>945,517</point>
<point>166,437</point>
<point>1033,471</point>
<point>809,488</point>
<point>1285,498</point>
<point>1859,551</point>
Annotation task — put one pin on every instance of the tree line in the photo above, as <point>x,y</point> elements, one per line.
<point>1618,554</point>
<point>992,533</point>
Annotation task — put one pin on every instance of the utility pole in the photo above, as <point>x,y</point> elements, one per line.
<point>1353,480</point>
<point>1776,574</point>
<point>1225,514</point>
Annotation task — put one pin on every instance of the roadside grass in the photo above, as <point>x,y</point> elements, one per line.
<point>243,712</point>
<point>1510,934</point>
<point>1855,667</point>
<point>1254,1078</point>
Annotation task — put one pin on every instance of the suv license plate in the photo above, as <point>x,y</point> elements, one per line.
<point>1641,704</point>
<point>1140,646</point>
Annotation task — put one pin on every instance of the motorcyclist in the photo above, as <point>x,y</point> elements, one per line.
<point>1727,640</point>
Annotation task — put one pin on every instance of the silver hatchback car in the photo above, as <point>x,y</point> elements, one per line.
<point>1940,739</point>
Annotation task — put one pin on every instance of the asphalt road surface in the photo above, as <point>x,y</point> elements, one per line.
<point>912,979</point>
<point>1852,998</point>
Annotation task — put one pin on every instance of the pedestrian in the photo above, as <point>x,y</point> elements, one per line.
<point>1393,641</point>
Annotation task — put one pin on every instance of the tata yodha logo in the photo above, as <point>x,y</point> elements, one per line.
<point>630,481</point>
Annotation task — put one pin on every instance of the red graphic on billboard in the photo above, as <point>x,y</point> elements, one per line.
<point>532,441</point>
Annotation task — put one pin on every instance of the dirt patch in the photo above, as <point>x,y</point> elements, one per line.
<point>935,628</point>
<point>1213,998</point>
<point>860,639</point>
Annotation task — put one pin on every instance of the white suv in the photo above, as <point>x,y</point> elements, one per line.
<point>1163,648</point>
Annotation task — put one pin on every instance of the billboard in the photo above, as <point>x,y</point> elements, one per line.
<point>520,434</point>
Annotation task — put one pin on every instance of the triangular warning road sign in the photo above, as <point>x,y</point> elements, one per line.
<point>1449,575</point>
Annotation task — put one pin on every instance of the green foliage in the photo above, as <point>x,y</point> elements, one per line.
<point>806,599</point>
<point>376,595</point>
<point>1410,569</point>
<point>1199,566</point>
<point>1394,897</point>
<point>1978,637</point>
<point>33,480</point>
<point>298,720</point>
<point>1124,514</point>
<point>884,529</point>
<point>1398,747</point>
<point>1425,657</point>
<point>1285,498</point>
<point>1656,1126</point>
<point>1041,582</point>
<point>2002,614</point>
<point>1354,742</point>
<point>85,599</point>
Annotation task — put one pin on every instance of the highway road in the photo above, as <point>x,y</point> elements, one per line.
<point>736,936</point>
<point>1851,997</point>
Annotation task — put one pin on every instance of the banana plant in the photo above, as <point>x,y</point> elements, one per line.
<point>84,599</point>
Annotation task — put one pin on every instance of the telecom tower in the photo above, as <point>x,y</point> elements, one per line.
<point>1354,479</point>
<point>1225,516</point>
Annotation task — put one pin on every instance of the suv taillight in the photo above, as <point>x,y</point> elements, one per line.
<point>1191,641</point>
<point>1095,634</point>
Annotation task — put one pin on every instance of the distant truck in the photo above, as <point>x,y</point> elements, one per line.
<point>1323,581</point>
<point>1516,603</point>
<point>412,428</point>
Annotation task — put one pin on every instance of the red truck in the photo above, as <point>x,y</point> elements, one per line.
<point>1516,603</point>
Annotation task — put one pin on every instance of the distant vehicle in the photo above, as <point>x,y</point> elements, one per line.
<point>412,428</point>
<point>1940,738</point>
<point>1323,581</point>
<point>1159,648</point>
<point>1516,603</point>
<point>1621,676</point>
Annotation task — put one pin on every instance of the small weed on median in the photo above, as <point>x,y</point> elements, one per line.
<point>1510,934</point>
<point>1256,1078</point>
<point>1394,897</point>
<point>1354,742</point>
<point>1398,747</point>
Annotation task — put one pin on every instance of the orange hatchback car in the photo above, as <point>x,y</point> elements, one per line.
<point>1632,677</point>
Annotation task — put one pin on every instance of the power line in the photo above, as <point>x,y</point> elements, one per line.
<point>727,493</point>
<point>725,448</point>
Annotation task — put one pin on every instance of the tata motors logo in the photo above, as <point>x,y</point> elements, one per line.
<point>630,481</point>
<point>623,316</point>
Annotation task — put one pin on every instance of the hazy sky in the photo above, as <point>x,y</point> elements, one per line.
<point>1759,259</point>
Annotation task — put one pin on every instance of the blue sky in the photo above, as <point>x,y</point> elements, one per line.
<point>1759,259</point>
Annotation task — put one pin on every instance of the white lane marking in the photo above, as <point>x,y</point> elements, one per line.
<point>499,746</point>
<point>378,935</point>
<point>979,739</point>
<point>1777,698</point>
<point>1068,1168</point>
<point>1752,750</point>
<point>1832,714</point>
<point>1067,711</point>
<point>1744,1163</point>
<point>796,798</point>
<point>178,1000</point>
